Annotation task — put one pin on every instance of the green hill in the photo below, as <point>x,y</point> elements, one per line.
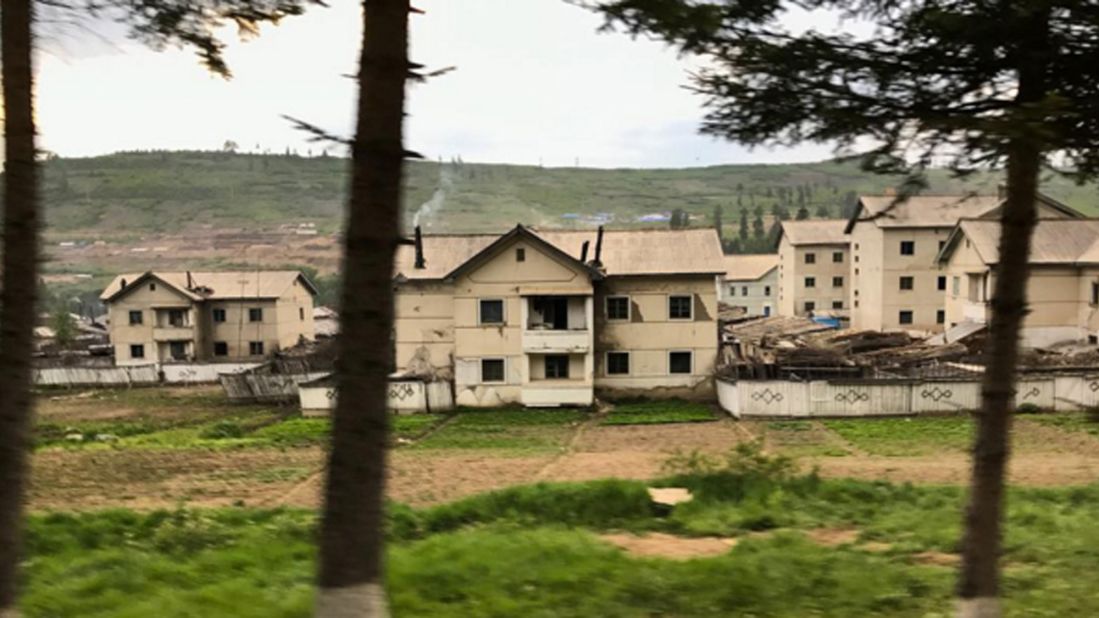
<point>138,193</point>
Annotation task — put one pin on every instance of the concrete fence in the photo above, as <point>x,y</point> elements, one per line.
<point>842,398</point>
<point>132,375</point>
<point>318,398</point>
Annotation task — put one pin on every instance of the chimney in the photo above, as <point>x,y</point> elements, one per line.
<point>584,252</point>
<point>419,249</point>
<point>190,281</point>
<point>598,247</point>
<point>123,284</point>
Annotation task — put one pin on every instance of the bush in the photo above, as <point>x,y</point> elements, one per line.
<point>1028,408</point>
<point>222,430</point>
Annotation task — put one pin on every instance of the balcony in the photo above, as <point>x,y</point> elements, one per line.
<point>553,393</point>
<point>173,333</point>
<point>551,341</point>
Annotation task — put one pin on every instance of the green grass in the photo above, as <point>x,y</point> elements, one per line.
<point>507,429</point>
<point>198,418</point>
<point>653,412</point>
<point>903,437</point>
<point>801,439</point>
<point>1069,421</point>
<point>535,551</point>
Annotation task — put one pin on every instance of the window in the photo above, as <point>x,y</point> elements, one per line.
<point>136,318</point>
<point>810,282</point>
<point>618,308</point>
<point>219,315</point>
<point>744,290</point>
<point>255,348</point>
<point>557,367</point>
<point>221,348</point>
<point>766,290</point>
<point>810,258</point>
<point>856,304</point>
<point>837,257</point>
<point>137,350</point>
<point>856,271</point>
<point>837,282</point>
<point>1095,293</point>
<point>618,363</point>
<point>940,316</point>
<point>837,304</point>
<point>732,290</point>
<point>942,243</point>
<point>905,317</point>
<point>766,311</point>
<point>957,285</point>
<point>941,283</point>
<point>492,370</point>
<point>856,259</point>
<point>176,317</point>
<point>679,362</point>
<point>679,307</point>
<point>152,287</point>
<point>301,313</point>
<point>906,283</point>
<point>810,306</point>
<point>177,350</point>
<point>491,312</point>
<point>908,247</point>
<point>520,255</point>
<point>255,314</point>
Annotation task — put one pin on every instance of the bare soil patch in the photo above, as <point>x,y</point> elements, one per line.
<point>660,545</point>
<point>1032,436</point>
<point>832,537</point>
<point>937,558</point>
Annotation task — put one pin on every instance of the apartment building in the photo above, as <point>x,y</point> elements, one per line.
<point>896,281</point>
<point>751,283</point>
<point>158,317</point>
<point>813,267</point>
<point>547,317</point>
<point>1062,290</point>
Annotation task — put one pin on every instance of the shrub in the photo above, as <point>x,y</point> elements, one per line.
<point>222,430</point>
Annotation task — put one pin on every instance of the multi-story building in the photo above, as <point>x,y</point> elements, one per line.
<point>751,283</point>
<point>813,267</point>
<point>544,317</point>
<point>896,282</point>
<point>1062,289</point>
<point>158,317</point>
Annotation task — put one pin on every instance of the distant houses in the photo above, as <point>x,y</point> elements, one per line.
<point>750,282</point>
<point>814,268</point>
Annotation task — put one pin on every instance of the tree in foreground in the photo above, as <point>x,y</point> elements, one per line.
<point>351,552</point>
<point>975,84</point>
<point>158,22</point>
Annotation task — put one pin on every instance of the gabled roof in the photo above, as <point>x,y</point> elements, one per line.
<point>814,232</point>
<point>749,267</point>
<point>202,285</point>
<point>519,231</point>
<point>625,252</point>
<point>1055,241</point>
<point>941,211</point>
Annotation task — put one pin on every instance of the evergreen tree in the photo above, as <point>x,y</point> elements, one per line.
<point>975,84</point>
<point>758,228</point>
<point>822,212</point>
<point>803,214</point>
<point>717,221</point>
<point>743,225</point>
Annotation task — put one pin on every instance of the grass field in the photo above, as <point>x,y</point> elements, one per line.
<point>795,545</point>
<point>906,436</point>
<point>507,430</point>
<point>654,412</point>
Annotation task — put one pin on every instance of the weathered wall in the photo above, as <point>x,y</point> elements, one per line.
<point>96,376</point>
<point>424,318</point>
<point>794,272</point>
<point>759,297</point>
<point>403,396</point>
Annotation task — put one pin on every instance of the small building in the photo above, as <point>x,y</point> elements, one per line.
<point>158,317</point>
<point>813,267</point>
<point>896,282</point>
<point>751,283</point>
<point>550,317</point>
<point>1062,290</point>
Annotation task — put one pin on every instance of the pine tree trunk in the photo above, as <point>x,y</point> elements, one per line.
<point>351,553</point>
<point>979,586</point>
<point>18,279</point>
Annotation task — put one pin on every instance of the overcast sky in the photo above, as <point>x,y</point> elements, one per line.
<point>534,83</point>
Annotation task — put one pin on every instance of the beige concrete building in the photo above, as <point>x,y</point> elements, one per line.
<point>751,283</point>
<point>896,282</point>
<point>1062,291</point>
<point>813,268</point>
<point>545,318</point>
<point>158,317</point>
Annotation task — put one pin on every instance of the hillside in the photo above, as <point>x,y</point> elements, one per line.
<point>134,194</point>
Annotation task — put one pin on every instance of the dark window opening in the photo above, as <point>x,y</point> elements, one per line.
<point>904,317</point>
<point>837,304</point>
<point>618,307</point>
<point>492,370</point>
<point>176,317</point>
<point>219,315</point>
<point>837,282</point>
<point>940,316</point>
<point>548,312</point>
<point>810,306</point>
<point>837,257</point>
<point>810,258</point>
<point>492,312</point>
<point>136,318</point>
<point>137,351</point>
<point>177,350</point>
<point>255,315</point>
<point>908,247</point>
<point>679,362</point>
<point>221,348</point>
<point>810,282</point>
<point>941,283</point>
<point>557,367</point>
<point>618,363</point>
<point>679,307</point>
<point>906,283</point>
<point>255,348</point>
<point>520,255</point>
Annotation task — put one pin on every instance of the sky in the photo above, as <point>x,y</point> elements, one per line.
<point>535,83</point>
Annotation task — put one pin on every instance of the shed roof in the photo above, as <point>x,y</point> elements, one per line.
<point>625,252</point>
<point>199,285</point>
<point>749,267</point>
<point>815,232</point>
<point>1055,241</point>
